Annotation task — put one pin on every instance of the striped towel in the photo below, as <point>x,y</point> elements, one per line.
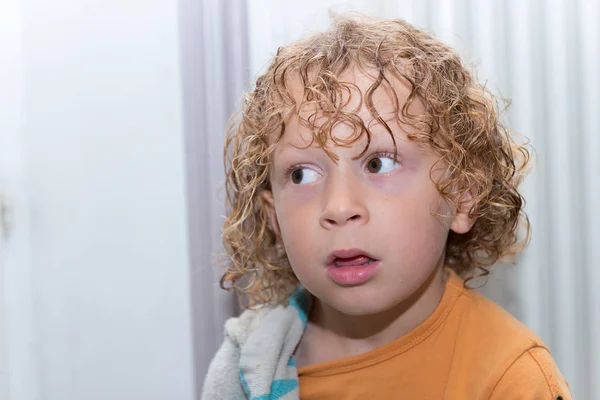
<point>256,359</point>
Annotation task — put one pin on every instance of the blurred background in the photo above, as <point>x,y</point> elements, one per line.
<point>112,116</point>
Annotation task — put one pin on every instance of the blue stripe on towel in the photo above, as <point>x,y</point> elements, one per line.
<point>244,383</point>
<point>300,301</point>
<point>279,388</point>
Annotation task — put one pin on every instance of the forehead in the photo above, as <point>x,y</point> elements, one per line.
<point>356,107</point>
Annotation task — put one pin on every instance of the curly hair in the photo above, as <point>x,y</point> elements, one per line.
<point>461,122</point>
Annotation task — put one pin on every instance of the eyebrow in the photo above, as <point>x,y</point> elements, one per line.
<point>374,146</point>
<point>305,146</point>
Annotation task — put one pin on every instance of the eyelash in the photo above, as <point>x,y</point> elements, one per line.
<point>395,157</point>
<point>290,169</point>
<point>389,155</point>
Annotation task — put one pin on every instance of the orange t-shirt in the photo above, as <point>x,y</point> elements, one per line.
<point>468,348</point>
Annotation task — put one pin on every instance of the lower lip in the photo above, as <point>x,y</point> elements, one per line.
<point>352,274</point>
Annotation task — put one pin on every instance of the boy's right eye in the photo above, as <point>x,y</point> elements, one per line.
<point>301,176</point>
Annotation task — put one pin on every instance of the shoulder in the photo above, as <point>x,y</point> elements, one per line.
<point>534,375</point>
<point>487,325</point>
<point>502,352</point>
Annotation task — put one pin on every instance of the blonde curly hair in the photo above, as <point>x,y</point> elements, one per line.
<point>461,122</point>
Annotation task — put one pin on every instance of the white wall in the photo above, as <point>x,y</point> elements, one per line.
<point>99,252</point>
<point>18,375</point>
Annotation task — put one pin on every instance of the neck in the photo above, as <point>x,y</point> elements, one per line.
<point>349,335</point>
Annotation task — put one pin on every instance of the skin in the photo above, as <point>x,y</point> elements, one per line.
<point>391,211</point>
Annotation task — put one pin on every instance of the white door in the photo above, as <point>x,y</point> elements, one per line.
<point>94,272</point>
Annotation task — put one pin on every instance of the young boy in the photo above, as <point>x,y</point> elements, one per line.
<point>369,179</point>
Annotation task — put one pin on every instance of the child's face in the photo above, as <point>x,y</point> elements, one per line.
<point>387,210</point>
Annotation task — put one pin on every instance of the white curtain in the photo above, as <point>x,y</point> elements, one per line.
<point>215,72</point>
<point>544,55</point>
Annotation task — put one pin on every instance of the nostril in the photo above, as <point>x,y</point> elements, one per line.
<point>342,220</point>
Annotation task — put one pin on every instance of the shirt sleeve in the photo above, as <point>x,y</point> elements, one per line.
<point>534,375</point>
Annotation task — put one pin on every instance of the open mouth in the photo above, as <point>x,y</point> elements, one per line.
<point>351,267</point>
<point>360,260</point>
<point>349,258</point>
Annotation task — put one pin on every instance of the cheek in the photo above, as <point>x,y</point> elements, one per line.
<point>294,210</point>
<point>395,184</point>
<point>411,221</point>
<point>292,197</point>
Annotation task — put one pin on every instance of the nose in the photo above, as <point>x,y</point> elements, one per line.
<point>343,204</point>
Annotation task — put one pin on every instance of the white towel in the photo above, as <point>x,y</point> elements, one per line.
<point>256,359</point>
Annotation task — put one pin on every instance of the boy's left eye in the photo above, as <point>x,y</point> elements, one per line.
<point>381,164</point>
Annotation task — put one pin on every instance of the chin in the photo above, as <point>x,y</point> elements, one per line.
<point>361,300</point>
<point>360,310</point>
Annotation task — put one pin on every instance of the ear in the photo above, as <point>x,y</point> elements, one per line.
<point>268,203</point>
<point>462,222</point>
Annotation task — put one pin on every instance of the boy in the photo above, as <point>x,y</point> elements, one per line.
<point>369,180</point>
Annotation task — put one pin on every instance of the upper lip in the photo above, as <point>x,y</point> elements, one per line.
<point>347,253</point>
